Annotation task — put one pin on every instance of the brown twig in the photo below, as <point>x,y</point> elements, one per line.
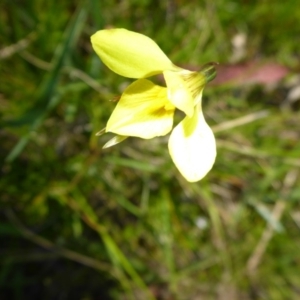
<point>257,255</point>
<point>48,245</point>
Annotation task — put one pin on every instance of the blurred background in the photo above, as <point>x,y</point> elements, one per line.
<point>79,222</point>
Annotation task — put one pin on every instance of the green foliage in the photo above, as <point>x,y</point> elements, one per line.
<point>79,222</point>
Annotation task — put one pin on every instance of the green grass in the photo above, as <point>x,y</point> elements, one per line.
<point>79,222</point>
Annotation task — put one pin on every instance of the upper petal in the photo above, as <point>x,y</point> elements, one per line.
<point>179,93</point>
<point>129,53</point>
<point>192,146</point>
<point>143,111</point>
<point>185,89</point>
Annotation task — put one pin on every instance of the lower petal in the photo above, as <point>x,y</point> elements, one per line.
<point>192,146</point>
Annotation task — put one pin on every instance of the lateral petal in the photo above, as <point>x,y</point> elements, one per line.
<point>192,146</point>
<point>143,111</point>
<point>130,54</point>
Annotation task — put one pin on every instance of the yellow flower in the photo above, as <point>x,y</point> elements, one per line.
<point>146,110</point>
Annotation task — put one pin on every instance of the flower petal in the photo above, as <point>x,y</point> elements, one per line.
<point>143,111</point>
<point>101,132</point>
<point>192,146</point>
<point>114,141</point>
<point>178,92</point>
<point>129,53</point>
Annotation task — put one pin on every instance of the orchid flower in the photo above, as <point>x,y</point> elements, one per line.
<point>146,110</point>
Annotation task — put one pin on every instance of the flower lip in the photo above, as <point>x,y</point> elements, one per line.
<point>143,111</point>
